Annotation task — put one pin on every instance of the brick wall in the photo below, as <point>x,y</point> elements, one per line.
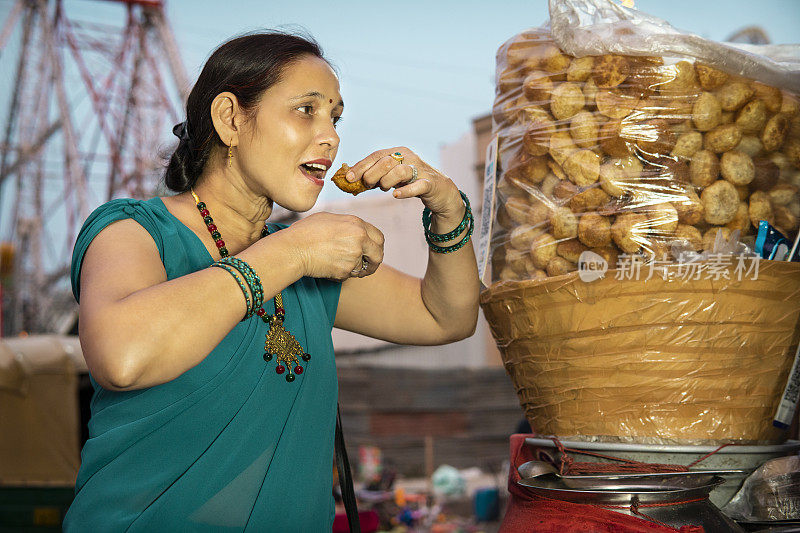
<point>468,413</point>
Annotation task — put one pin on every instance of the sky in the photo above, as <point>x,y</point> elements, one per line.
<point>416,73</point>
<point>413,73</point>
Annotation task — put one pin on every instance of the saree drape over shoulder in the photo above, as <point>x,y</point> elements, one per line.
<point>227,446</point>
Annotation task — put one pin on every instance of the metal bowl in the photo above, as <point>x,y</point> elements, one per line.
<point>745,457</point>
<point>639,481</point>
<point>621,494</point>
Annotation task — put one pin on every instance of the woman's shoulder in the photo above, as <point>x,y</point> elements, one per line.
<point>150,214</point>
<point>127,207</point>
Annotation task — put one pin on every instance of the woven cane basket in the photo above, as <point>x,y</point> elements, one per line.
<point>650,360</point>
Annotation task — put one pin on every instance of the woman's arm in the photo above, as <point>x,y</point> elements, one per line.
<point>441,307</point>
<point>138,329</point>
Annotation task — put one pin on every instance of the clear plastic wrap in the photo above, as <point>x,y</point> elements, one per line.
<point>636,154</point>
<point>772,492</point>
<point>595,27</point>
<point>651,165</point>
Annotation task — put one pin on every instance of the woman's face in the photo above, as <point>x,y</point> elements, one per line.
<point>292,132</point>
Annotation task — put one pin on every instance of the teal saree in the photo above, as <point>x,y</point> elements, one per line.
<point>227,446</point>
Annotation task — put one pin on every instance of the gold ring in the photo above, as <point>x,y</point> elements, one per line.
<point>397,156</point>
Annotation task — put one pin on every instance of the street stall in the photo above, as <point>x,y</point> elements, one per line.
<point>641,261</point>
<point>40,429</point>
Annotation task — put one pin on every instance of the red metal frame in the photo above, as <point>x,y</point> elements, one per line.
<point>98,132</point>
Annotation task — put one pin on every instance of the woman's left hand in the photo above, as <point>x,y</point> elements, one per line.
<point>382,169</point>
<point>396,307</point>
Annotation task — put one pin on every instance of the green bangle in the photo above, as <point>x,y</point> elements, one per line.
<point>251,284</point>
<point>233,272</point>
<point>253,281</point>
<point>457,246</point>
<point>444,237</point>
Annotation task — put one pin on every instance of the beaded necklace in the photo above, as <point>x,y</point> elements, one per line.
<point>279,342</point>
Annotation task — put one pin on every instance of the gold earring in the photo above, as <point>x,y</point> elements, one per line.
<point>230,155</point>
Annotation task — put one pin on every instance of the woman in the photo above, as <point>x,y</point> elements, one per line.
<point>207,331</point>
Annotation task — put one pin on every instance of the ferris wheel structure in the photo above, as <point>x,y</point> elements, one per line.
<point>86,108</point>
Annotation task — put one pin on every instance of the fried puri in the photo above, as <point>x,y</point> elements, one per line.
<point>340,181</point>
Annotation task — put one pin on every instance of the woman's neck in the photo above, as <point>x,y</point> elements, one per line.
<point>238,212</point>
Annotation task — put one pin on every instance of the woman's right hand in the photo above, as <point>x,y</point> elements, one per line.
<point>336,246</point>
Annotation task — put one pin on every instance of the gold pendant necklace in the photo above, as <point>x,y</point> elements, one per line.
<point>279,342</point>
<point>282,343</point>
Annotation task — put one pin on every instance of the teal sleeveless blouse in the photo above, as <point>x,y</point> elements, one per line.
<point>227,446</point>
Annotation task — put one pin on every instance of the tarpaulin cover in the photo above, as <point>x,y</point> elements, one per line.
<point>39,412</point>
